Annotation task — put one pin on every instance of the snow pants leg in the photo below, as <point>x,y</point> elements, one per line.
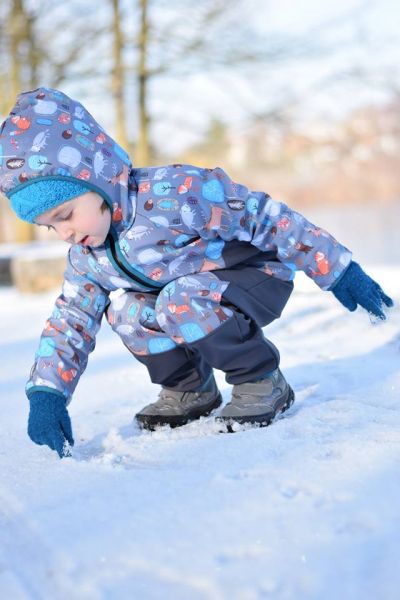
<point>132,316</point>
<point>200,321</point>
<point>220,314</point>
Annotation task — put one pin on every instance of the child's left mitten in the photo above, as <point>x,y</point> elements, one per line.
<point>49,422</point>
<point>356,287</point>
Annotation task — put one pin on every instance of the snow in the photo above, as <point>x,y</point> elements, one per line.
<point>35,250</point>
<point>307,508</point>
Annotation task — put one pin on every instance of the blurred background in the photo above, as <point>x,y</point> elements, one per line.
<point>299,98</point>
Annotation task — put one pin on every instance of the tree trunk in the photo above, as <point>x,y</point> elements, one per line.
<point>142,148</point>
<point>17,30</point>
<point>16,33</point>
<point>33,51</point>
<point>118,78</point>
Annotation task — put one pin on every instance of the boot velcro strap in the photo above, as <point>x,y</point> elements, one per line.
<point>260,388</point>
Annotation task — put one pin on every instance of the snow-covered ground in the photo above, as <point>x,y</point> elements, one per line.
<point>307,508</point>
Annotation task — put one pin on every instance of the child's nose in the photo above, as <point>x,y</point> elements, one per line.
<point>65,233</point>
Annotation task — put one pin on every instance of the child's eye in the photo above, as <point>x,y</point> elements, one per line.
<point>49,227</point>
<point>69,216</point>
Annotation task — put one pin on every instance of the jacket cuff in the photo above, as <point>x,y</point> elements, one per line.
<point>342,274</point>
<point>38,391</point>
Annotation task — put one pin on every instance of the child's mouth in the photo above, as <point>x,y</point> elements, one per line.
<point>84,241</point>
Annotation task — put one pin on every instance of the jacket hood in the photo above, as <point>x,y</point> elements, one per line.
<point>47,135</point>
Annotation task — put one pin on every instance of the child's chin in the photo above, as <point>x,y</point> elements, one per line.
<point>97,242</point>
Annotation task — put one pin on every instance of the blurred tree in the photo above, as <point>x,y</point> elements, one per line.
<point>21,53</point>
<point>27,52</point>
<point>118,76</point>
<point>177,39</point>
<point>163,47</point>
<point>216,143</point>
<point>18,27</point>
<point>143,77</point>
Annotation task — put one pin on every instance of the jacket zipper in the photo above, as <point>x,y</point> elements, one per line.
<point>127,271</point>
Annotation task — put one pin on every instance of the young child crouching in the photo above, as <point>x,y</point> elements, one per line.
<point>204,263</point>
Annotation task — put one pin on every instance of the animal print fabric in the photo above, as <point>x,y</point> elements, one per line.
<point>172,226</point>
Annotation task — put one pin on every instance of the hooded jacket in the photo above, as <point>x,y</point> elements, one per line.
<point>167,222</point>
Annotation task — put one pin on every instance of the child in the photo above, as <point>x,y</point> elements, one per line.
<point>202,263</point>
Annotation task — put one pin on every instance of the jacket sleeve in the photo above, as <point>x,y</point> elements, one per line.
<point>69,335</point>
<point>220,208</point>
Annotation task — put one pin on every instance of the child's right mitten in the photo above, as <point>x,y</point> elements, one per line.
<point>49,423</point>
<point>356,287</point>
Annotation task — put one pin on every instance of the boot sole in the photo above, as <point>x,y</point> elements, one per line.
<point>151,422</point>
<point>259,420</point>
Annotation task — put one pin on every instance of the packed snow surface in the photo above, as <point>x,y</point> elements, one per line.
<point>307,508</point>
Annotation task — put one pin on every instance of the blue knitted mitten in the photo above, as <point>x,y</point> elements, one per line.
<point>49,422</point>
<point>356,287</point>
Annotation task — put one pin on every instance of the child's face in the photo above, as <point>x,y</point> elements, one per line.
<point>79,221</point>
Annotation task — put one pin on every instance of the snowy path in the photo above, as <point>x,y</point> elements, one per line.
<point>304,509</point>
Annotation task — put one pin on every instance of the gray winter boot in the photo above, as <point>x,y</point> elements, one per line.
<point>177,408</point>
<point>259,401</point>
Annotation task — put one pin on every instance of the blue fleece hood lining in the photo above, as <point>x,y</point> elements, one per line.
<point>87,185</point>
<point>41,196</point>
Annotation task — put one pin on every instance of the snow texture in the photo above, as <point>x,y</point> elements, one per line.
<point>307,508</point>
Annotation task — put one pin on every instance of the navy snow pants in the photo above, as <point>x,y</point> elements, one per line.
<point>203,321</point>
